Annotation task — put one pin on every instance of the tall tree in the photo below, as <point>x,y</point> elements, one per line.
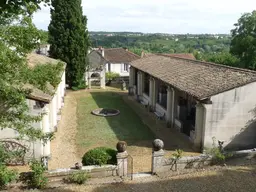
<point>68,37</point>
<point>243,43</point>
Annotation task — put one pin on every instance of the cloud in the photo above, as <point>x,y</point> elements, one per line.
<point>167,16</point>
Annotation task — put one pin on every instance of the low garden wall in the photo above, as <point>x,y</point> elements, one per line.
<point>162,164</point>
<point>93,172</point>
<point>178,163</point>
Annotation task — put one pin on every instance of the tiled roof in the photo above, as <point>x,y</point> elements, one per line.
<point>36,94</point>
<point>37,59</point>
<point>199,79</point>
<point>119,55</point>
<point>179,55</point>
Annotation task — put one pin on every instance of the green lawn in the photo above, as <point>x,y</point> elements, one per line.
<point>94,131</point>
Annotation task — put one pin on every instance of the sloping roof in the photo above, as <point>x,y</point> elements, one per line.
<point>199,79</point>
<point>119,55</point>
<point>37,59</point>
<point>37,94</point>
<point>179,55</point>
<point>96,59</point>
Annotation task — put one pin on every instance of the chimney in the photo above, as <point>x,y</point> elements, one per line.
<point>101,49</point>
<point>142,54</point>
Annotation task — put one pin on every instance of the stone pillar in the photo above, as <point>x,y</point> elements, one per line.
<point>53,113</point>
<point>46,129</point>
<point>131,81</point>
<point>157,156</point>
<point>139,84</point>
<point>89,83</point>
<point>122,163</point>
<point>102,80</point>
<point>131,77</point>
<point>152,93</point>
<point>207,132</point>
<point>170,106</point>
<point>199,126</point>
<point>64,80</point>
<point>63,88</point>
<point>59,98</point>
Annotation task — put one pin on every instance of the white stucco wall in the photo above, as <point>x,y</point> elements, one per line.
<point>231,118</point>
<point>118,68</point>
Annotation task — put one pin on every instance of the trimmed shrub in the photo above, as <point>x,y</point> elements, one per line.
<point>78,178</point>
<point>100,156</point>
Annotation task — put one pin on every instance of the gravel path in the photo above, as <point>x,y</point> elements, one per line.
<point>63,147</point>
<point>230,179</point>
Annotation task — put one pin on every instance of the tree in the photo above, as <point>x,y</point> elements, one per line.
<point>13,8</point>
<point>18,37</point>
<point>224,58</point>
<point>68,37</point>
<point>243,43</point>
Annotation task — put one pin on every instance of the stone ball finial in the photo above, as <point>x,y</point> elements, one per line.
<point>121,146</point>
<point>158,144</point>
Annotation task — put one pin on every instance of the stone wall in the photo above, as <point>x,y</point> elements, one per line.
<point>162,164</point>
<point>93,172</point>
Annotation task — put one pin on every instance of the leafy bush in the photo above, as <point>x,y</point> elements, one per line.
<point>100,156</point>
<point>78,178</point>
<point>36,178</point>
<point>6,176</point>
<point>111,75</point>
<point>177,154</point>
<point>217,153</point>
<point>41,74</point>
<point>82,85</point>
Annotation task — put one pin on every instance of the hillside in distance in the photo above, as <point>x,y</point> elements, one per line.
<point>162,42</point>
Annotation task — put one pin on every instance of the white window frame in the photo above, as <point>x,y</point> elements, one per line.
<point>125,64</point>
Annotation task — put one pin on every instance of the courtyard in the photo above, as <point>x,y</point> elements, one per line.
<point>80,131</point>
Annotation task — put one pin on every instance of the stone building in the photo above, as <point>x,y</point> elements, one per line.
<point>202,100</point>
<point>102,60</point>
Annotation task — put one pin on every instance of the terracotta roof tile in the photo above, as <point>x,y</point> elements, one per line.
<point>179,55</point>
<point>199,79</point>
<point>37,59</point>
<point>119,55</point>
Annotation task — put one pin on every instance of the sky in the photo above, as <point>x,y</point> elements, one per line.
<point>159,16</point>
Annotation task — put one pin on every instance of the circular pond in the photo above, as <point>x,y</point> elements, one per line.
<point>105,112</point>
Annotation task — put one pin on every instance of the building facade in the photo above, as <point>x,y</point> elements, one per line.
<point>116,60</point>
<point>202,100</point>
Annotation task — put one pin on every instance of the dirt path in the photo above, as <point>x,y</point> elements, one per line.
<point>63,147</point>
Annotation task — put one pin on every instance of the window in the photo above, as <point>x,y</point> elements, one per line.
<point>38,105</point>
<point>126,67</point>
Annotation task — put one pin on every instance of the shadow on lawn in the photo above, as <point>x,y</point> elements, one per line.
<point>129,127</point>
